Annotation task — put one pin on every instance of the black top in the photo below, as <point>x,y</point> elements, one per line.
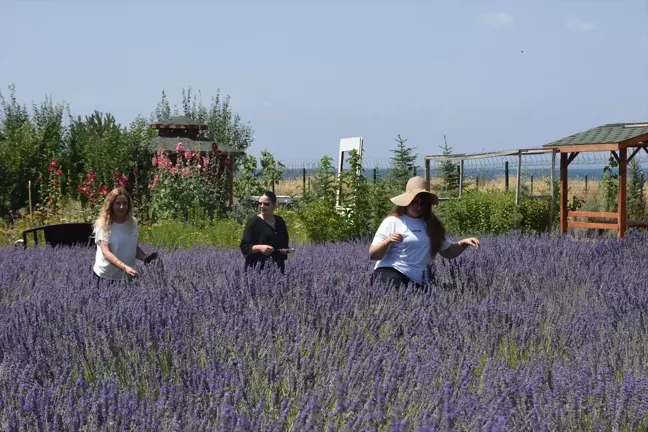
<point>259,232</point>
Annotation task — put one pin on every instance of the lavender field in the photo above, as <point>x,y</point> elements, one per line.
<point>528,333</point>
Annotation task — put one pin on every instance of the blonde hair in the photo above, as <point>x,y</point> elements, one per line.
<point>106,215</point>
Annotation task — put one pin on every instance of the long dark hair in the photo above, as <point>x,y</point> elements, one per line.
<point>435,229</point>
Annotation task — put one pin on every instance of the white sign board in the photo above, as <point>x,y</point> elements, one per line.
<point>346,145</point>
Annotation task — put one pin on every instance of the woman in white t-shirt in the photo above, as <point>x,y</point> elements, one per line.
<point>117,239</point>
<point>408,240</point>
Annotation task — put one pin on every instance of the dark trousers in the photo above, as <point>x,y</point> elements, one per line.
<point>388,274</point>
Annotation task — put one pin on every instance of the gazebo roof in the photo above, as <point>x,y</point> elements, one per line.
<point>169,144</point>
<point>607,137</point>
<point>178,122</point>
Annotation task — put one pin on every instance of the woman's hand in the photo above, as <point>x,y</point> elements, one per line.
<point>394,238</point>
<point>467,242</point>
<point>130,271</point>
<point>266,250</point>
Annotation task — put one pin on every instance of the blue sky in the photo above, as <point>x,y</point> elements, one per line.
<point>307,73</point>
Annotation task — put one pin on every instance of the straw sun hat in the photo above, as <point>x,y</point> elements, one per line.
<point>415,186</point>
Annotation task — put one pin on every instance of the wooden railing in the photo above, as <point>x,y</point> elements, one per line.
<point>611,225</point>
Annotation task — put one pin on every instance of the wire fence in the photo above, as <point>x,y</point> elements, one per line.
<point>497,172</point>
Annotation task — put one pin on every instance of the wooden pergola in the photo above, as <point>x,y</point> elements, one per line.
<point>616,138</point>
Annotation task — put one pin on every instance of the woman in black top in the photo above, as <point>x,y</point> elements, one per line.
<point>265,237</point>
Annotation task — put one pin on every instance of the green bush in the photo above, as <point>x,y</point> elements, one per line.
<point>495,212</point>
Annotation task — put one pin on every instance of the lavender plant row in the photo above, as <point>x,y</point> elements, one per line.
<point>528,333</point>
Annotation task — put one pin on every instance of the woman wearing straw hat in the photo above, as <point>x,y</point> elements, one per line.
<point>408,240</point>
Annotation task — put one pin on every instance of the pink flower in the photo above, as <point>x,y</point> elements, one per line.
<point>59,172</point>
<point>160,152</point>
<point>206,160</point>
<point>185,172</point>
<point>179,147</point>
<point>187,155</point>
<point>154,161</point>
<point>173,170</point>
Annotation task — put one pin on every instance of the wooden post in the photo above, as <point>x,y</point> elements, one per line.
<point>31,214</point>
<point>531,184</point>
<point>427,172</point>
<point>506,176</point>
<point>585,182</point>
<point>563,192</point>
<point>553,190</point>
<point>375,175</point>
<point>623,191</point>
<point>461,177</point>
<point>477,183</point>
<point>518,178</point>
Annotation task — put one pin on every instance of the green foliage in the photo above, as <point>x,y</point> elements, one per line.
<point>317,207</point>
<point>448,172</point>
<point>246,183</point>
<point>610,185</point>
<point>190,186</point>
<point>403,166</point>
<point>354,199</point>
<point>225,127</point>
<point>636,196</point>
<point>495,212</point>
<point>271,170</point>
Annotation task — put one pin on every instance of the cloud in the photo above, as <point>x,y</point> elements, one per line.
<point>580,26</point>
<point>497,20</point>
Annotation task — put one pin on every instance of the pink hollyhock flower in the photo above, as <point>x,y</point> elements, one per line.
<point>154,161</point>
<point>187,155</point>
<point>59,172</point>
<point>173,170</point>
<point>186,172</point>
<point>179,147</point>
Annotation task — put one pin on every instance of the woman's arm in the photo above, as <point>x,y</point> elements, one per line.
<point>112,259</point>
<point>248,240</point>
<point>383,238</point>
<point>456,249</point>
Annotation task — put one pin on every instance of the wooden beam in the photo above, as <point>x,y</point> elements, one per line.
<point>594,225</point>
<point>616,156</point>
<point>572,156</point>
<point>563,193</point>
<point>593,214</point>
<point>634,141</point>
<point>637,224</point>
<point>633,154</point>
<point>585,148</point>
<point>623,190</point>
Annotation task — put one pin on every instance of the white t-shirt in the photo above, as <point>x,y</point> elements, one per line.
<point>123,239</point>
<point>412,256</point>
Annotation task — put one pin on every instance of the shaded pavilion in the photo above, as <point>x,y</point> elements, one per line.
<point>623,141</point>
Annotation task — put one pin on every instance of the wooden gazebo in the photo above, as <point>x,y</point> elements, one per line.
<point>616,138</point>
<point>191,134</point>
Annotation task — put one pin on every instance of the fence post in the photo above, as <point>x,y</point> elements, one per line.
<point>461,177</point>
<point>477,183</point>
<point>585,182</point>
<point>518,178</point>
<point>552,190</point>
<point>506,176</point>
<point>375,175</point>
<point>304,179</point>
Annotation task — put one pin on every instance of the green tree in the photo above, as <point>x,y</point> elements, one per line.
<point>610,184</point>
<point>636,197</point>
<point>403,163</point>
<point>246,183</point>
<point>448,170</point>
<point>271,170</point>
